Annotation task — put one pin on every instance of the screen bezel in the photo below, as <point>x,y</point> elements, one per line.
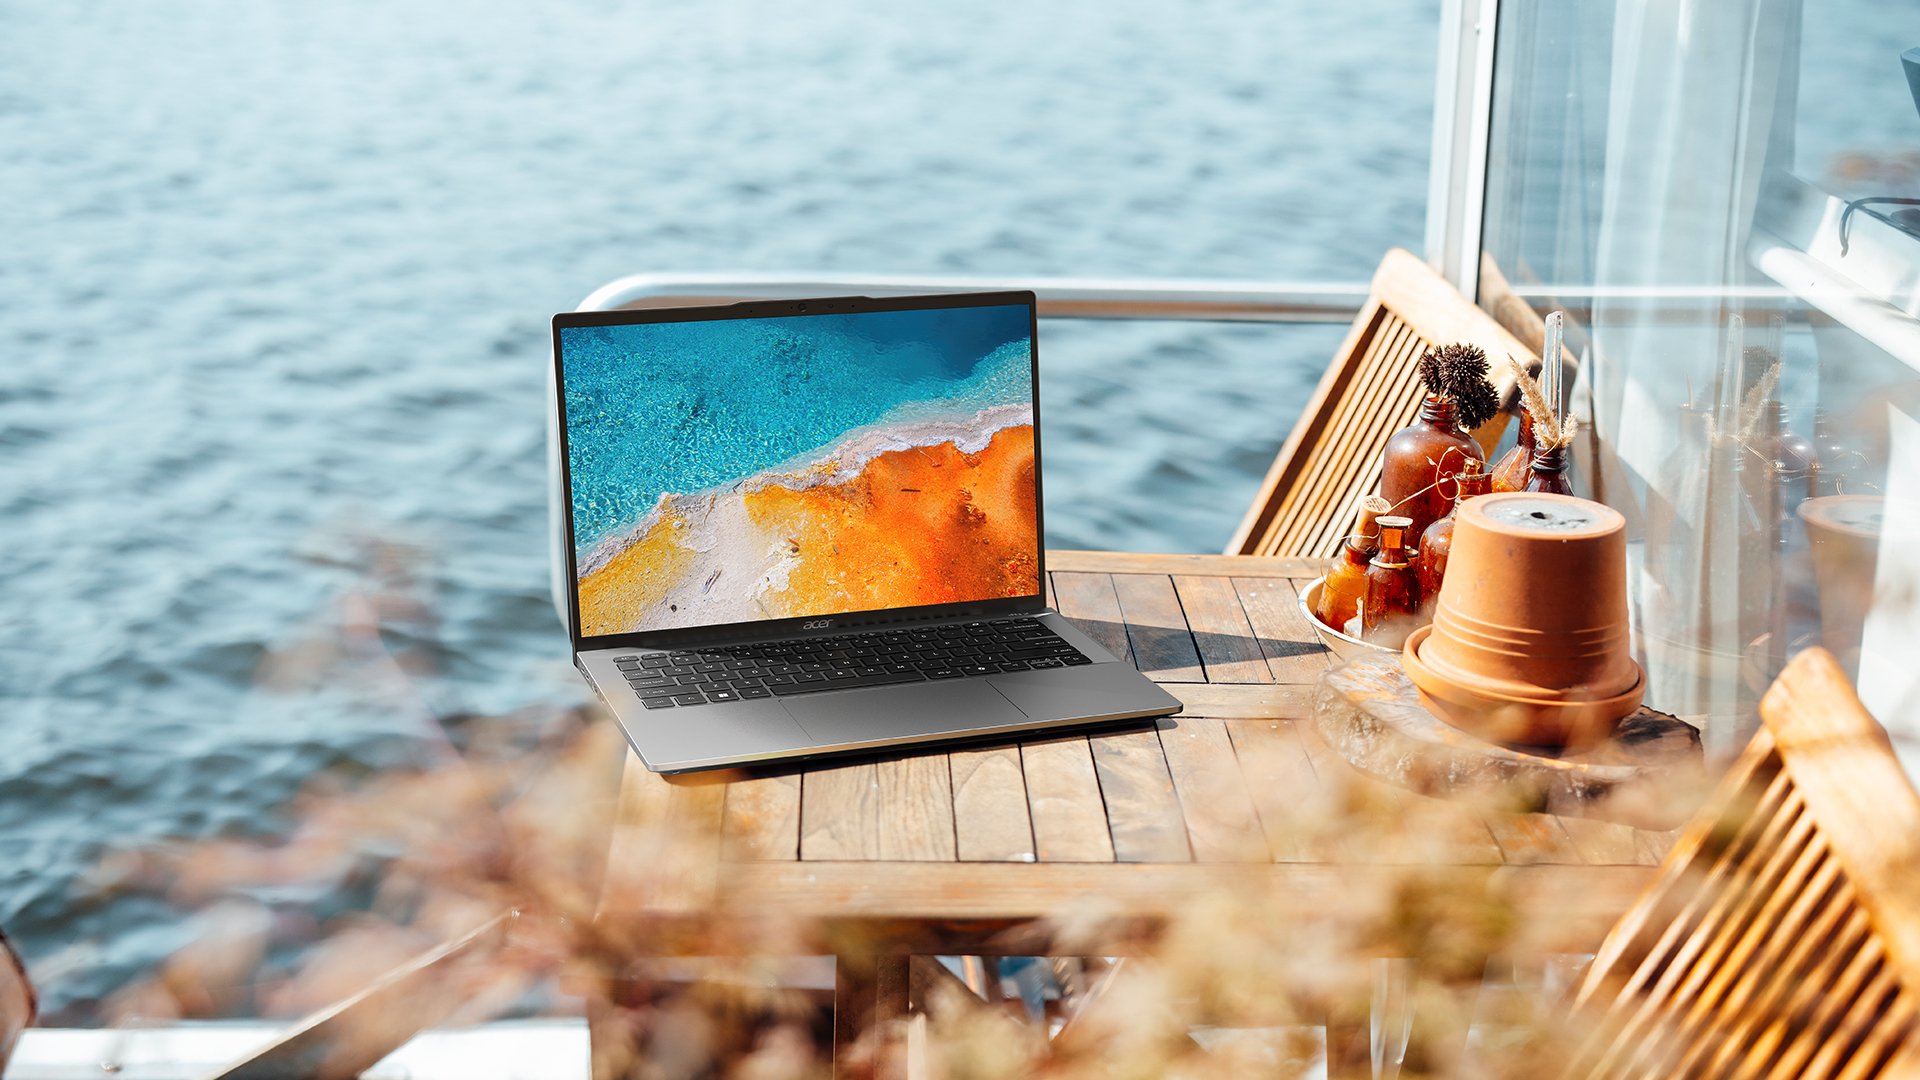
<point>791,627</point>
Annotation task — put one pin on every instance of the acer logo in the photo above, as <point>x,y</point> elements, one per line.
<point>817,624</point>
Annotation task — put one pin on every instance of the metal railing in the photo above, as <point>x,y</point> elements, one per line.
<point>1071,298</point>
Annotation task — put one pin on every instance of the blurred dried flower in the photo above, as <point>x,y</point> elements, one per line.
<point>1240,981</point>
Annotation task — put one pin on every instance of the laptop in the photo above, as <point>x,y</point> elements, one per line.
<point>813,527</point>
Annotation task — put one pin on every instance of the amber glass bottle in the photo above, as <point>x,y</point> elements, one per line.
<point>1346,584</point>
<point>1549,470</point>
<point>1512,472</point>
<point>1393,589</point>
<point>1417,457</point>
<point>1437,541</point>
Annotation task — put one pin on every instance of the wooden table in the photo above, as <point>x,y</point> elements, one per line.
<point>956,851</point>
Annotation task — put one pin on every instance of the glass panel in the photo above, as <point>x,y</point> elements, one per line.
<point>1674,177</point>
<point>1159,433</point>
<point>275,287</point>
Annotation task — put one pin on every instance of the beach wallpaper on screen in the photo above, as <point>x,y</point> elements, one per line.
<point>748,469</point>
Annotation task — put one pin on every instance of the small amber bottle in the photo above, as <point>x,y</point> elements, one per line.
<point>1437,542</point>
<point>1549,470</point>
<point>1393,589</point>
<point>1512,471</point>
<point>1419,459</point>
<point>1346,584</point>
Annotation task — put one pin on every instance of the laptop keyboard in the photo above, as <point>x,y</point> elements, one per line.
<point>876,658</point>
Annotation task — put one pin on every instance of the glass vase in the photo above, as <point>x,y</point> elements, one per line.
<point>1548,472</point>
<point>1391,610</point>
<point>1437,542</point>
<point>1418,458</point>
<point>1345,587</point>
<point>1512,471</point>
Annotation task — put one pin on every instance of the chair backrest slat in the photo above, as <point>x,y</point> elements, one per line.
<point>1370,390</point>
<point>1780,937</point>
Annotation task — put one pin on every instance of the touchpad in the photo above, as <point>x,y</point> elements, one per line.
<point>900,712</point>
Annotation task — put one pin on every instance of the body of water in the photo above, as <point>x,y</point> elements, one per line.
<point>274,290</point>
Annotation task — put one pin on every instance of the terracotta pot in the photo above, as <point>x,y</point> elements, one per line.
<point>1529,643</point>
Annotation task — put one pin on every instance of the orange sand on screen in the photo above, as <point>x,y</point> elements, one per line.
<point>634,580</point>
<point>926,525</point>
<point>923,525</point>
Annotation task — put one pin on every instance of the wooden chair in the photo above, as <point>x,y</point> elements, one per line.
<point>19,1006</point>
<point>1370,390</point>
<point>1781,937</point>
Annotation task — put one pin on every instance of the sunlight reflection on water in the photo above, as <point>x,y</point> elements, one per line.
<point>276,295</point>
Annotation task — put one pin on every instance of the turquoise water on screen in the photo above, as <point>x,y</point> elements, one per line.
<point>680,407</point>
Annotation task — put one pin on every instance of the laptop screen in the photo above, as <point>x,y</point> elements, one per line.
<point>739,465</point>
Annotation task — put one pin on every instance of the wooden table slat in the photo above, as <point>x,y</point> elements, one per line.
<point>990,816</point>
<point>915,803</point>
<point>1533,840</point>
<point>1225,641</point>
<point>1063,796</point>
<point>1243,700</point>
<point>695,808</point>
<point>1361,799</point>
<point>1088,600</point>
<point>1283,788</point>
<point>1655,845</point>
<point>1293,654</point>
<point>664,854</point>
<point>1163,646</point>
<point>1603,843</point>
<point>1222,824</point>
<point>762,818</point>
<point>840,813</point>
<point>1143,813</point>
<point>1442,831</point>
<point>639,817</point>
<point>1576,903</point>
<point>1129,562</point>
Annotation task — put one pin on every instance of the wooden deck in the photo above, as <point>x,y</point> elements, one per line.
<point>950,848</point>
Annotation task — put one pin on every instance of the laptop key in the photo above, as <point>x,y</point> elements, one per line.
<point>750,692</point>
<point>885,678</point>
<point>657,702</point>
<point>1034,653</point>
<point>690,699</point>
<point>723,695</point>
<point>651,692</point>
